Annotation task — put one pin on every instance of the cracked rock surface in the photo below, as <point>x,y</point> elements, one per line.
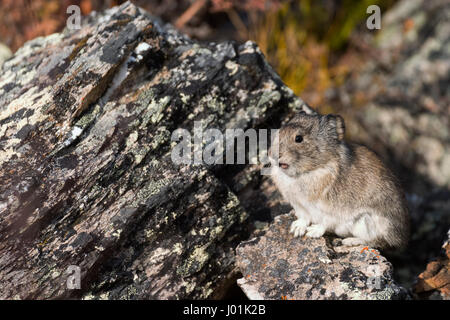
<point>276,265</point>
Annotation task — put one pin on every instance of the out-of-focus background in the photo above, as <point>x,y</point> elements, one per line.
<point>391,85</point>
<point>313,45</point>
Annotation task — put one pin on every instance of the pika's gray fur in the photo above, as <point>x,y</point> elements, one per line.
<point>338,187</point>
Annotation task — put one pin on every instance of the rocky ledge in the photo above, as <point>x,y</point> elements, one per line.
<point>278,266</point>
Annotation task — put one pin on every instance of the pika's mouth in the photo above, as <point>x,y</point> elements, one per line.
<point>283,165</point>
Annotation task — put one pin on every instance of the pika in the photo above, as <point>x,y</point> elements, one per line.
<point>336,186</point>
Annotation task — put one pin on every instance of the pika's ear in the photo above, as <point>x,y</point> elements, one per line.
<point>337,123</point>
<point>340,127</point>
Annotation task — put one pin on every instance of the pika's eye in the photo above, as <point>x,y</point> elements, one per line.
<point>298,138</point>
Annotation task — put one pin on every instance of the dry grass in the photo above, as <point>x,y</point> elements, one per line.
<point>307,42</point>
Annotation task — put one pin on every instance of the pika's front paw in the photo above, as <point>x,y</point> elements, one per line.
<point>315,231</point>
<point>298,227</point>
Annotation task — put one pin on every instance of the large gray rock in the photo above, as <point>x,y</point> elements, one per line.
<point>276,265</point>
<point>86,175</point>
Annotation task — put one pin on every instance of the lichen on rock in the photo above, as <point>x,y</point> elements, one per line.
<point>278,266</point>
<point>86,118</point>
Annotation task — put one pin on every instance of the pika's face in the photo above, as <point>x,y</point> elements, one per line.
<point>307,142</point>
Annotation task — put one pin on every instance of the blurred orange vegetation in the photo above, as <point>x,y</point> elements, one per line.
<point>22,20</point>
